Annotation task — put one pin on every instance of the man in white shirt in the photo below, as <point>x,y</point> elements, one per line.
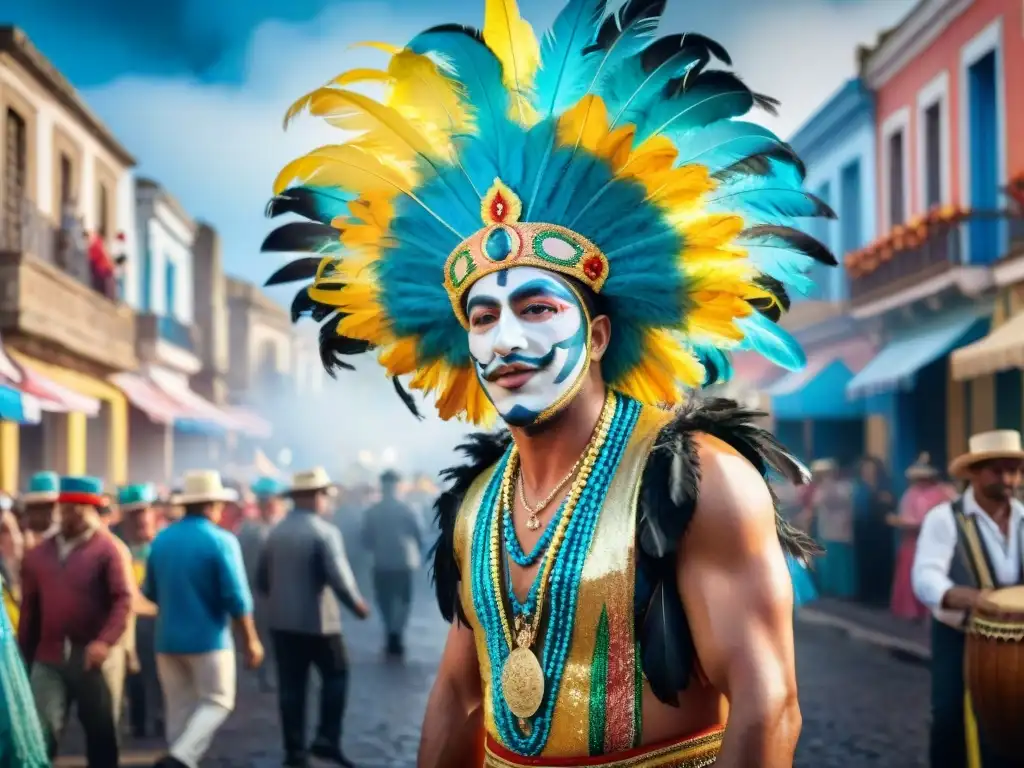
<point>967,548</point>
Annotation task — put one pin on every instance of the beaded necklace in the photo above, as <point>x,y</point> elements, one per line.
<point>561,570</point>
<point>512,545</point>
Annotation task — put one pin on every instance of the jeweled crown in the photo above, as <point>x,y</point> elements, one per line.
<point>506,242</point>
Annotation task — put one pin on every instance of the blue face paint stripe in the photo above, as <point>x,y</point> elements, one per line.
<point>575,346</point>
<point>503,278</point>
<point>542,287</point>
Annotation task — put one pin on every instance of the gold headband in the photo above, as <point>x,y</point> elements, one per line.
<point>506,242</point>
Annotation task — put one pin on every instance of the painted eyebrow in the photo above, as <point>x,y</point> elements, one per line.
<point>481,301</point>
<point>541,287</point>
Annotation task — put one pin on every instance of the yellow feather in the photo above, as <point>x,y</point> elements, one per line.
<point>344,166</point>
<point>586,123</point>
<point>657,153</point>
<point>373,208</point>
<point>666,364</point>
<point>421,92</point>
<point>713,230</point>
<point>386,47</point>
<point>369,325</point>
<point>616,146</point>
<point>679,186</point>
<point>513,41</point>
<point>429,377</point>
<point>345,78</point>
<point>453,395</point>
<point>399,358</point>
<point>353,111</point>
<point>479,409</point>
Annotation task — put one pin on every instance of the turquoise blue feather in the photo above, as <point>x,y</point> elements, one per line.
<point>566,70</point>
<point>625,35</point>
<point>771,341</point>
<point>716,362</point>
<point>713,96</point>
<point>726,142</point>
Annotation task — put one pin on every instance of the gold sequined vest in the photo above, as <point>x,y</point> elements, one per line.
<point>598,706</point>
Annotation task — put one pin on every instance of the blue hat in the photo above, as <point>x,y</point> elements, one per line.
<point>42,487</point>
<point>267,487</point>
<point>82,490</point>
<point>137,496</point>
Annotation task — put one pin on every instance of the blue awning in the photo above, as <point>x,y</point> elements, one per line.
<point>816,392</point>
<point>18,406</point>
<point>896,366</point>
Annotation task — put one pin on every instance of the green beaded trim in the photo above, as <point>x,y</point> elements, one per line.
<point>538,248</point>
<point>460,257</point>
<point>599,685</point>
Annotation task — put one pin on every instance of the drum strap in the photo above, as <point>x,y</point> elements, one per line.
<point>973,548</point>
<point>970,546</point>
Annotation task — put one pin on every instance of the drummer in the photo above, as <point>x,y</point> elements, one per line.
<point>986,522</point>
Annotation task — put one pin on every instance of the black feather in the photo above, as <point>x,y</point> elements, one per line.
<point>773,310</point>
<point>767,103</point>
<point>614,23</point>
<point>482,450</point>
<point>761,164</point>
<point>303,268</point>
<point>715,48</point>
<point>334,346</point>
<point>302,305</point>
<point>403,393</point>
<point>314,203</point>
<point>299,237</point>
<point>464,29</point>
<point>669,494</point>
<point>793,239</point>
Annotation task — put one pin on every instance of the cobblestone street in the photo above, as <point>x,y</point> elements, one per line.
<point>861,706</point>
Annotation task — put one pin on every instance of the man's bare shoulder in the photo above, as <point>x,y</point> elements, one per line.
<point>735,508</point>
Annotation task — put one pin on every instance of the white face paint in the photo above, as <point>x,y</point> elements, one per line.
<point>528,338</point>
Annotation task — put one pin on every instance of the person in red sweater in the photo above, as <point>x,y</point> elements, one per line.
<point>76,603</point>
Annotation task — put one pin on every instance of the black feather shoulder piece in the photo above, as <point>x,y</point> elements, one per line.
<point>482,450</point>
<point>668,498</point>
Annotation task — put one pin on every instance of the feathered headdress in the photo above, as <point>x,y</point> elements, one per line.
<point>601,153</point>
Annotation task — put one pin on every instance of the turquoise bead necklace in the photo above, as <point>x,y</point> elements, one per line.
<point>566,573</point>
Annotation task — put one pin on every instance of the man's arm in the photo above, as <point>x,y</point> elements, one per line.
<point>452,731</point>
<point>237,598</point>
<point>338,572</point>
<point>929,577</point>
<point>119,586</point>
<point>29,615</point>
<point>739,601</point>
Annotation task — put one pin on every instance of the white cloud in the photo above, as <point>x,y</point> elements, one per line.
<point>218,147</point>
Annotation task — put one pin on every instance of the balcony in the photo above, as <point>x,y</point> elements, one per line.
<point>169,342</point>
<point>46,296</point>
<point>927,257</point>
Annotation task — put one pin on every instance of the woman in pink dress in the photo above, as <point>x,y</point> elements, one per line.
<point>926,492</point>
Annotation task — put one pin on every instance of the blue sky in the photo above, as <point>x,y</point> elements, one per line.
<point>196,90</point>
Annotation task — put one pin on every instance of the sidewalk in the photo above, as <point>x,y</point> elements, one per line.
<point>872,625</point>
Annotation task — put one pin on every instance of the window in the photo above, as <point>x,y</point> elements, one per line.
<point>932,156</point>
<point>15,173</point>
<point>170,285</point>
<point>66,181</point>
<point>851,226</point>
<point>820,273</point>
<point>897,181</point>
<point>104,210</point>
<point>146,294</point>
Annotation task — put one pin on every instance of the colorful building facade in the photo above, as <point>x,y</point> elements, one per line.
<point>810,408</point>
<point>926,287</point>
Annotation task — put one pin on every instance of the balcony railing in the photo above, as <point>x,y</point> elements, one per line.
<point>907,259</point>
<point>33,234</point>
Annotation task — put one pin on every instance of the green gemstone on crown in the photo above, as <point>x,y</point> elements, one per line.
<point>498,244</point>
<point>551,245</point>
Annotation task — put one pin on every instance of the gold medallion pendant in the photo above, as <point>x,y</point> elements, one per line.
<point>522,683</point>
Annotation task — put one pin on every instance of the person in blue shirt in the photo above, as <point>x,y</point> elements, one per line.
<point>197,580</point>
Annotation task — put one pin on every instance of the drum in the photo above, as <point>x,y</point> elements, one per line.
<point>994,666</point>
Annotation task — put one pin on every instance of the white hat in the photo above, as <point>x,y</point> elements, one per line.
<point>997,444</point>
<point>922,469</point>
<point>311,480</point>
<point>822,465</point>
<point>203,486</point>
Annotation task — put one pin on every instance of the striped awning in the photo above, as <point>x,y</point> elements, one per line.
<point>249,423</point>
<point>55,397</point>
<point>143,394</point>
<point>194,412</point>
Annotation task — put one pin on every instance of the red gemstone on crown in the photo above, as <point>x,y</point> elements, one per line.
<point>593,267</point>
<point>499,207</point>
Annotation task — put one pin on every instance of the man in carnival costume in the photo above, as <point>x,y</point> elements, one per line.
<point>571,236</point>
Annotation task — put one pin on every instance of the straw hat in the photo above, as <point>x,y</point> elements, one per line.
<point>203,486</point>
<point>922,469</point>
<point>997,444</point>
<point>312,480</point>
<point>819,466</point>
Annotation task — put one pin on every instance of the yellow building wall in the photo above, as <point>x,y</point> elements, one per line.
<point>10,447</point>
<point>956,417</point>
<point>77,423</point>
